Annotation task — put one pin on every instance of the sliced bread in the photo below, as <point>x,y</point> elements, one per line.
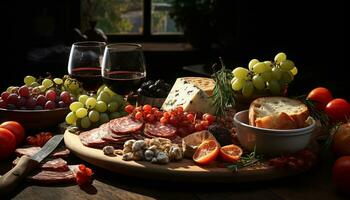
<point>278,113</point>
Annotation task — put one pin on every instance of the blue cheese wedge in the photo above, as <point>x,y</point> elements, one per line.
<point>190,97</point>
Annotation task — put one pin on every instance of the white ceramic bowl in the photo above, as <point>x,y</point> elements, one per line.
<point>271,142</point>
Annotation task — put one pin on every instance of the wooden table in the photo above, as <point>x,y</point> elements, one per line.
<point>315,184</point>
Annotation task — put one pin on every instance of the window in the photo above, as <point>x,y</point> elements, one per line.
<point>139,18</point>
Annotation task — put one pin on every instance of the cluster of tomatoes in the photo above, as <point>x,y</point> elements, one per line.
<point>186,122</point>
<point>338,111</point>
<point>83,175</point>
<point>302,159</point>
<point>11,136</point>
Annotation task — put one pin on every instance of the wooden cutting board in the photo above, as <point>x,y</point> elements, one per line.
<point>184,170</point>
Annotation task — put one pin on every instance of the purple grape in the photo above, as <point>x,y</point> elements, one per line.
<point>51,95</point>
<point>50,105</point>
<point>24,91</point>
<point>41,100</point>
<point>65,97</point>
<point>3,104</point>
<point>21,102</point>
<point>4,95</point>
<point>31,103</point>
<point>61,104</point>
<point>12,99</point>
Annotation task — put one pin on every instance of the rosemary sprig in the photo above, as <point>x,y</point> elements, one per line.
<point>314,112</point>
<point>222,95</point>
<point>246,161</point>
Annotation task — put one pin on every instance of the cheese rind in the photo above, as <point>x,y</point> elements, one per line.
<point>203,83</point>
<point>190,97</point>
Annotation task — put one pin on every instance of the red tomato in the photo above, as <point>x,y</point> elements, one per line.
<point>341,140</point>
<point>17,130</point>
<point>7,143</point>
<point>338,110</point>
<point>341,173</point>
<point>321,96</point>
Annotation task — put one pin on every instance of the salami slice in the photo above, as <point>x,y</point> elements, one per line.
<point>50,164</point>
<point>93,138</point>
<point>30,151</point>
<point>159,130</point>
<point>47,176</point>
<point>125,125</point>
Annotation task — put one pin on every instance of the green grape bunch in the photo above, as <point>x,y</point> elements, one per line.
<point>91,111</point>
<point>264,77</point>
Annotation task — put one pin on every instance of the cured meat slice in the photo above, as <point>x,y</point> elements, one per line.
<point>57,164</point>
<point>159,130</point>
<point>93,138</point>
<point>30,151</point>
<point>111,139</point>
<point>46,176</point>
<point>125,125</point>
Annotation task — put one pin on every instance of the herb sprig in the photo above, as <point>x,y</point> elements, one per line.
<point>223,96</point>
<point>246,161</point>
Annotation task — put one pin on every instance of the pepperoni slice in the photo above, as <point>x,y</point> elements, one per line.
<point>159,130</point>
<point>125,125</point>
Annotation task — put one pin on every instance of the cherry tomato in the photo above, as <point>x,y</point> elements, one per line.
<point>179,110</point>
<point>341,140</point>
<point>164,120</point>
<point>207,152</point>
<point>341,173</point>
<point>17,130</point>
<point>7,143</point>
<point>166,115</point>
<point>129,108</point>
<point>147,108</point>
<point>208,117</point>
<point>338,110</point>
<point>138,115</point>
<point>150,117</point>
<point>321,96</point>
<point>190,117</point>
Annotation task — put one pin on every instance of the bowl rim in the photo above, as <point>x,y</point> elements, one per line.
<point>33,111</point>
<point>276,132</point>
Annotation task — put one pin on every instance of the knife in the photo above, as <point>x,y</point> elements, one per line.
<point>25,165</point>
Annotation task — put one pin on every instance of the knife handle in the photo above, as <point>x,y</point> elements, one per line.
<point>10,180</point>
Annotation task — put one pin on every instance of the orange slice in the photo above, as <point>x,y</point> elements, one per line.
<point>230,153</point>
<point>206,152</point>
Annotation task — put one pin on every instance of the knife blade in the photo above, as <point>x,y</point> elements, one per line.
<point>25,165</point>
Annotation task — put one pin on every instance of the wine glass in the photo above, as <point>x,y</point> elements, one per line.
<point>85,64</point>
<point>123,67</point>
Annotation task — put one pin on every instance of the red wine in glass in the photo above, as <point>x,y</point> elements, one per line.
<point>90,77</point>
<point>124,82</point>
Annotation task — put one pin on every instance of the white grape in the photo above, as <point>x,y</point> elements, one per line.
<point>90,102</point>
<point>280,57</point>
<point>248,89</point>
<point>101,106</point>
<point>71,118</point>
<point>240,72</point>
<point>258,82</point>
<point>259,68</point>
<point>85,122</point>
<point>94,116</point>
<point>294,71</point>
<point>252,63</point>
<point>276,73</point>
<point>267,76</point>
<point>81,112</point>
<point>274,87</point>
<point>287,65</point>
<point>238,84</point>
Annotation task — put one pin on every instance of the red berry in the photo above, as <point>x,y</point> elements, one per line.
<point>179,110</point>
<point>204,124</point>
<point>138,115</point>
<point>164,120</point>
<point>166,115</point>
<point>150,117</point>
<point>129,108</point>
<point>138,109</point>
<point>190,117</point>
<point>173,120</point>
<point>158,114</point>
<point>198,127</point>
<point>147,108</point>
<point>155,109</point>
<point>82,167</point>
<point>210,118</point>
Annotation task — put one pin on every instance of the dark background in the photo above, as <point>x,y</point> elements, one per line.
<point>37,35</point>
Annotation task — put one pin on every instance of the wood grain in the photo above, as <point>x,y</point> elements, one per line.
<point>184,170</point>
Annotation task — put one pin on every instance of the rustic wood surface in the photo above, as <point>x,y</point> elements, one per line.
<point>314,184</point>
<point>185,170</point>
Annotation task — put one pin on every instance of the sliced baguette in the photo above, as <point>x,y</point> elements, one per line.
<point>278,113</point>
